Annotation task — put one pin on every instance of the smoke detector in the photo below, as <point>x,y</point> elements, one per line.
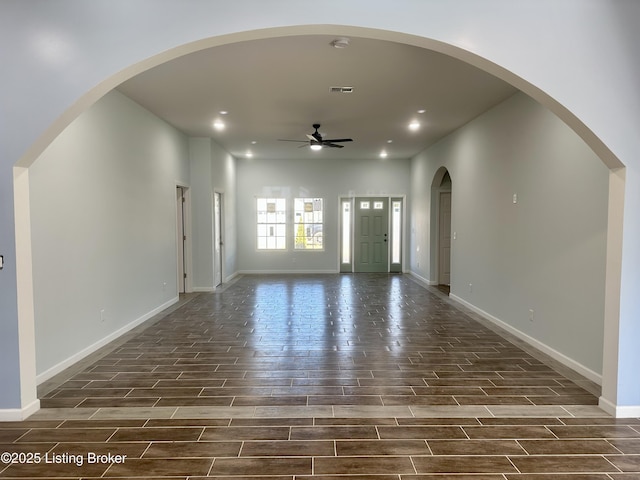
<point>341,42</point>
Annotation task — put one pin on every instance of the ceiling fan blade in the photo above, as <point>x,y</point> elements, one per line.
<point>334,140</point>
<point>332,145</point>
<point>284,140</point>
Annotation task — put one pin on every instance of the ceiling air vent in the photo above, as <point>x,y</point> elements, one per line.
<point>341,89</point>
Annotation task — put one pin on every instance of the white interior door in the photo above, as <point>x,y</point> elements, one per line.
<point>180,239</point>
<point>217,239</point>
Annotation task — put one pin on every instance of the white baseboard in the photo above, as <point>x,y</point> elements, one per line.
<point>19,414</point>
<point>231,277</point>
<point>202,289</point>
<point>627,411</point>
<point>56,369</point>
<point>556,355</point>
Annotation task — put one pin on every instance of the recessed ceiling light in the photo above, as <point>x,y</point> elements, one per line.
<point>389,141</point>
<point>218,125</point>
<point>223,112</point>
<point>414,125</point>
<point>422,110</point>
<point>249,155</point>
<point>383,154</point>
<point>253,142</point>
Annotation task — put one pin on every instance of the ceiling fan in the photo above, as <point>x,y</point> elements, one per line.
<point>316,142</point>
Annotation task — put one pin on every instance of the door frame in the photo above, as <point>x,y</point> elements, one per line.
<point>440,246</point>
<point>218,228</point>
<point>434,254</point>
<point>184,246</point>
<point>349,267</point>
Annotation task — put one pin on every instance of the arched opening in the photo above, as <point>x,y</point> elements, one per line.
<point>21,187</point>
<point>441,234</point>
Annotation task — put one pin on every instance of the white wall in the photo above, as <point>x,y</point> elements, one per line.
<point>224,181</point>
<point>212,170</point>
<point>328,178</point>
<point>545,253</point>
<point>103,214</point>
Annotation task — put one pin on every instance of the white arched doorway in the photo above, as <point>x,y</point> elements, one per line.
<point>22,234</point>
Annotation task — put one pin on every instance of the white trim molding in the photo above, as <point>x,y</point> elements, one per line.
<point>19,414</point>
<point>423,280</point>
<point>626,411</point>
<point>556,355</point>
<point>76,357</point>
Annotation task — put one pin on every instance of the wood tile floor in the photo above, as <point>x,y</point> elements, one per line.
<point>352,377</point>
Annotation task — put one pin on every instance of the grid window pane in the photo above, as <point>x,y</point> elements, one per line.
<point>308,223</point>
<point>271,223</point>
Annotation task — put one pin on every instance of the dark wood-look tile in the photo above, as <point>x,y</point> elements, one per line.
<point>194,402</point>
<point>355,448</point>
<point>454,476</point>
<point>567,447</point>
<point>595,431</point>
<point>186,434</point>
<point>520,421</point>
<point>130,449</point>
<point>419,400</point>
<point>626,463</point>
<point>161,467</point>
<point>268,400</point>
<point>245,433</point>
<point>68,435</point>
<point>289,448</point>
<point>509,432</point>
<point>49,470</point>
<point>421,432</point>
<point>333,432</point>
<point>270,422</point>
<point>437,421</point>
<point>562,464</point>
<point>475,447</point>
<point>232,349</point>
<point>261,466</point>
<point>118,402</point>
<point>25,447</point>
<point>193,449</point>
<point>561,476</point>
<point>363,465</point>
<point>565,400</point>
<point>11,434</point>
<point>463,464</point>
<point>628,446</point>
<point>344,477</point>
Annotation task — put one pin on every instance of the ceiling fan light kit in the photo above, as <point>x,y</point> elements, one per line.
<point>316,142</point>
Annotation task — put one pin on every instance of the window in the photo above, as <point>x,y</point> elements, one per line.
<point>271,223</point>
<point>308,222</point>
<point>396,231</point>
<point>346,231</point>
